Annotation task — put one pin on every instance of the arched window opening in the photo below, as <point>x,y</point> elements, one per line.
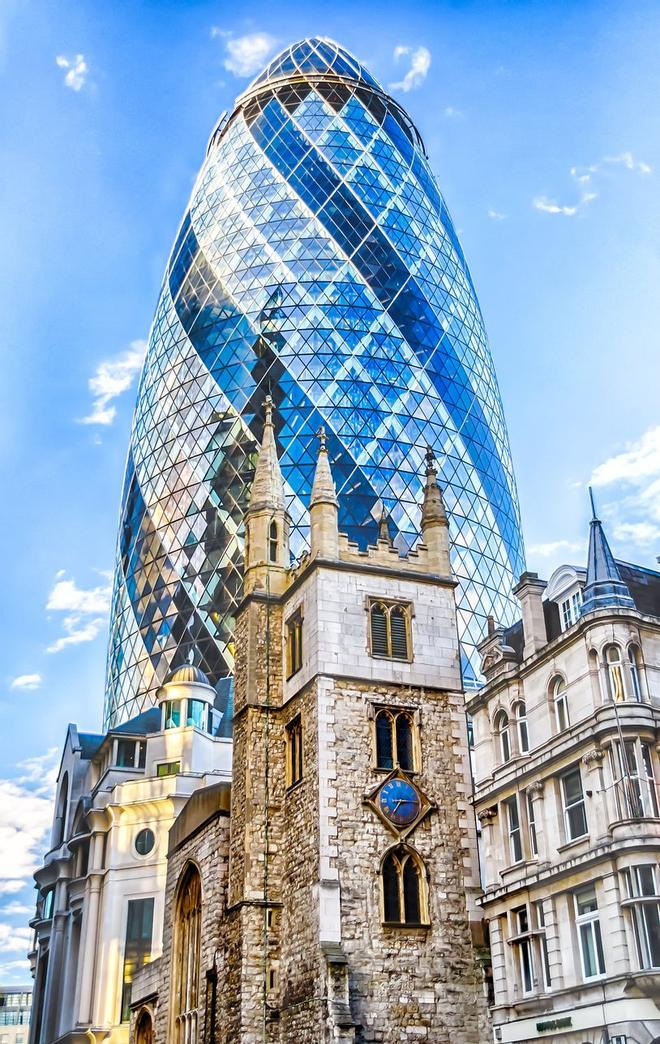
<point>504,738</point>
<point>384,746</point>
<point>144,1029</point>
<point>60,817</point>
<point>635,665</point>
<point>186,961</point>
<point>390,630</point>
<point>379,629</point>
<point>399,630</point>
<point>403,888</point>
<point>404,741</point>
<point>615,675</point>
<point>273,541</point>
<point>560,702</point>
<point>520,714</point>
<point>395,742</point>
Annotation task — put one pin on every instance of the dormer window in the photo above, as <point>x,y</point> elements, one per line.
<point>273,541</point>
<point>389,630</point>
<point>570,609</point>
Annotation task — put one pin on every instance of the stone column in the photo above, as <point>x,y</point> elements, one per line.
<point>553,944</point>
<point>594,794</point>
<point>497,954</point>
<point>89,930</point>
<point>56,962</point>
<point>534,794</point>
<point>487,818</point>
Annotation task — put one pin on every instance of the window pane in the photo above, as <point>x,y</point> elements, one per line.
<point>572,786</point>
<point>651,916</point>
<point>196,713</point>
<point>384,740</point>
<point>411,892</point>
<point>588,950</point>
<point>172,714</point>
<point>392,908</point>
<point>137,949</point>
<point>126,753</point>
<point>577,821</point>
<point>404,742</point>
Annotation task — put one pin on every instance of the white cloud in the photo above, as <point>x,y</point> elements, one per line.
<point>76,70</point>
<point>496,215</point>
<point>245,55</point>
<point>25,816</point>
<point>640,460</point>
<point>553,547</point>
<point>420,63</point>
<point>550,206</point>
<point>112,378</point>
<point>26,681</point>
<point>451,113</point>
<point>68,597</point>
<point>87,611</point>
<point>632,478</point>
<point>15,909</point>
<point>15,939</point>
<point>641,533</point>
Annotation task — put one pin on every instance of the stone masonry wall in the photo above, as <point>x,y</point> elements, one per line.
<point>208,850</point>
<point>409,983</point>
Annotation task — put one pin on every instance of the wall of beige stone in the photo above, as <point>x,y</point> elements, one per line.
<point>207,849</point>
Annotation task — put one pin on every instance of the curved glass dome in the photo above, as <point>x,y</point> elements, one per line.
<point>318,56</point>
<point>316,262</point>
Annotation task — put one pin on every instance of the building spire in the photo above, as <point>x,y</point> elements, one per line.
<point>324,506</point>
<point>604,588</point>
<point>266,519</point>
<point>323,487</point>
<point>267,489</point>
<point>384,526</point>
<point>435,524</point>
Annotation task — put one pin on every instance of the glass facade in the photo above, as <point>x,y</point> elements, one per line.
<point>316,262</point>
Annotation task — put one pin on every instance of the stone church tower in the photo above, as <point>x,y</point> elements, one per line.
<point>353,861</point>
<point>349,895</point>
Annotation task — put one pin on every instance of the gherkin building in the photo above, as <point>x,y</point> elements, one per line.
<point>316,262</point>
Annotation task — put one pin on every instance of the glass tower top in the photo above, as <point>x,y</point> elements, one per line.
<point>316,262</point>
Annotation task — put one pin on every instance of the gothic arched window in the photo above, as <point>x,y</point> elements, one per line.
<point>272,542</point>
<point>186,958</point>
<point>395,743</point>
<point>389,630</point>
<point>404,893</point>
<point>144,1029</point>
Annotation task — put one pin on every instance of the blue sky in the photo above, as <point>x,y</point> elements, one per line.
<point>542,124</point>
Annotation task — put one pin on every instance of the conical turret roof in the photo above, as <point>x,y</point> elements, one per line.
<point>604,588</point>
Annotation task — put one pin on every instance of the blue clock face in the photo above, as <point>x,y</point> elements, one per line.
<point>399,802</point>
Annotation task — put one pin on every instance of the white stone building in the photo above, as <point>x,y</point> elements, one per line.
<point>101,886</point>
<point>566,761</point>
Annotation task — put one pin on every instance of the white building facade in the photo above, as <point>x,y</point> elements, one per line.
<point>101,886</point>
<point>566,761</point>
